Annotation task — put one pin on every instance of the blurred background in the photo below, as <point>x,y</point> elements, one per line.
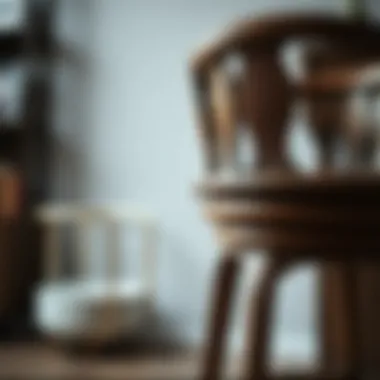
<point>96,107</point>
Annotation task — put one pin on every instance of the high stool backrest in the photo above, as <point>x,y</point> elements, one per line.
<point>241,83</point>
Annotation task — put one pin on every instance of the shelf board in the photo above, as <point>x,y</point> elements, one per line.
<point>11,43</point>
<point>10,139</point>
<point>10,131</point>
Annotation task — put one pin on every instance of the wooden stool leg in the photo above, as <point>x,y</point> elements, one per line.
<point>224,288</point>
<point>368,297</point>
<point>260,318</point>
<point>354,349</point>
<point>333,317</point>
<point>340,322</point>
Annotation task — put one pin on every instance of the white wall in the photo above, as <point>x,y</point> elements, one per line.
<point>373,10</point>
<point>125,130</point>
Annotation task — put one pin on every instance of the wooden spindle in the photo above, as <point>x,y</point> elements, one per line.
<point>206,127</point>
<point>325,116</point>
<point>361,134</point>
<point>224,112</point>
<point>268,99</point>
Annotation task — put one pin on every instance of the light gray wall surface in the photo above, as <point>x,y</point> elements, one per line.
<point>125,129</point>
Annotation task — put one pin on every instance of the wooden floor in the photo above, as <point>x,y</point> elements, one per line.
<point>37,361</point>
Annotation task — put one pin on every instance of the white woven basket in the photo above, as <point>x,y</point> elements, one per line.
<point>88,308</point>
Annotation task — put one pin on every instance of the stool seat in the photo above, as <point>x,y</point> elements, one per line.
<point>269,182</point>
<point>297,213</point>
<point>290,213</point>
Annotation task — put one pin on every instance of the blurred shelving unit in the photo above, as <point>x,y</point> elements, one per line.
<point>26,70</point>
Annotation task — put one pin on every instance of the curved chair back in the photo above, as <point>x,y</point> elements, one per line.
<point>242,84</point>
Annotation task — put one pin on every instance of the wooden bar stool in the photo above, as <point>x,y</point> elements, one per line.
<point>327,215</point>
<point>342,93</point>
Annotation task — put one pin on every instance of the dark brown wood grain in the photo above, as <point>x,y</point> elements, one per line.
<point>329,216</point>
<point>261,320</point>
<point>267,103</point>
<point>335,74</point>
<point>273,30</point>
<point>225,283</point>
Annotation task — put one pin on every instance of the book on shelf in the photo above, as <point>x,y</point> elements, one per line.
<point>10,192</point>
